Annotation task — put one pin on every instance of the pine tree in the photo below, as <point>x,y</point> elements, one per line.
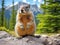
<point>0,18</point>
<point>2,13</point>
<point>50,20</point>
<point>13,17</point>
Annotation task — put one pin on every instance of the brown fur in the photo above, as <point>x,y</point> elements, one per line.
<point>25,18</point>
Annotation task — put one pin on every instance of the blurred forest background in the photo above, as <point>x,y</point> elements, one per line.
<point>46,22</point>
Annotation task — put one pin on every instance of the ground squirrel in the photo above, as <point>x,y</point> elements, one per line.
<point>25,22</point>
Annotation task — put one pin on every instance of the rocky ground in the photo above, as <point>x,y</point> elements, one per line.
<point>6,39</point>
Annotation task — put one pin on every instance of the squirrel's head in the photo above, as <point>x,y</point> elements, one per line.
<point>24,8</point>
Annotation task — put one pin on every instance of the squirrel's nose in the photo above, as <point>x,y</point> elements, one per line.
<point>22,11</point>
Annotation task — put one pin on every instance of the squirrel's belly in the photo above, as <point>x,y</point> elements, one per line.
<point>29,31</point>
<point>21,32</point>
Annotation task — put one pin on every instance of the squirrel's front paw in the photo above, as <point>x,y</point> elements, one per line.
<point>22,27</point>
<point>28,25</point>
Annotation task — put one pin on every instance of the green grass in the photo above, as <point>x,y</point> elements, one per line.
<point>49,34</point>
<point>11,32</point>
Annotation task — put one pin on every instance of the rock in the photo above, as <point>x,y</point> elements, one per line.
<point>6,39</point>
<point>56,41</point>
<point>46,36</point>
<point>57,36</point>
<point>4,34</point>
<point>23,41</point>
<point>37,35</point>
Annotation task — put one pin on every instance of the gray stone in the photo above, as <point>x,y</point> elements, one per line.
<point>4,34</point>
<point>6,39</point>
